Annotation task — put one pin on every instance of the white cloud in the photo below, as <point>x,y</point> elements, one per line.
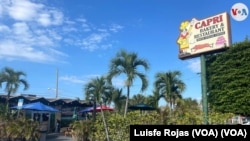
<point>69,29</point>
<point>102,30</point>
<point>106,46</point>
<point>86,27</point>
<point>56,52</point>
<point>194,65</point>
<point>51,17</point>
<point>44,19</point>
<point>57,17</point>
<point>23,10</point>
<point>44,40</point>
<point>77,79</point>
<point>24,36</point>
<point>1,10</point>
<point>118,82</point>
<point>22,30</point>
<point>36,32</point>
<point>9,51</point>
<point>92,42</point>
<point>27,11</point>
<point>115,28</point>
<point>4,28</point>
<point>54,35</point>
<point>72,79</point>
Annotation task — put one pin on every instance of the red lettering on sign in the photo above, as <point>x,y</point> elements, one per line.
<point>208,22</point>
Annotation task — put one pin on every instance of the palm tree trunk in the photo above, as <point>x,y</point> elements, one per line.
<point>7,103</point>
<point>127,99</point>
<point>170,106</point>
<point>94,111</point>
<point>105,125</point>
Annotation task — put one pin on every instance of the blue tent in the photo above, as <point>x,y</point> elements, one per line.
<point>37,106</point>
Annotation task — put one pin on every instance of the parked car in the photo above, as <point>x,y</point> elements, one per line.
<point>246,121</point>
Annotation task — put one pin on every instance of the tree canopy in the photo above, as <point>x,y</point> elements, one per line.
<point>228,79</point>
<point>131,65</point>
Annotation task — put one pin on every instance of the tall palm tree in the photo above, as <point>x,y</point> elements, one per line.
<point>100,89</point>
<point>169,86</point>
<point>128,64</point>
<point>12,80</point>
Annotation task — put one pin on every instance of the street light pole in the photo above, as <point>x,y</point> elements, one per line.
<point>56,83</point>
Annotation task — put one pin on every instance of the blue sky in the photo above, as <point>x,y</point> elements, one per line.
<point>80,37</point>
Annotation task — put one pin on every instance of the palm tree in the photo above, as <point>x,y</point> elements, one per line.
<point>118,99</point>
<point>154,99</point>
<point>12,79</point>
<point>138,99</point>
<point>31,130</point>
<point>22,128</point>
<point>128,64</point>
<point>100,89</point>
<point>169,86</point>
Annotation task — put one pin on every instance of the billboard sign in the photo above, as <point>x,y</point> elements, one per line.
<point>197,37</point>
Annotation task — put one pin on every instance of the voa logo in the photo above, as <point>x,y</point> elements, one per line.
<point>239,11</point>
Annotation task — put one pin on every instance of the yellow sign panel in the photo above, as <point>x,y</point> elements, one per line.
<point>197,37</point>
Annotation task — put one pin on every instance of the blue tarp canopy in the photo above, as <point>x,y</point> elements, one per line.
<point>37,106</point>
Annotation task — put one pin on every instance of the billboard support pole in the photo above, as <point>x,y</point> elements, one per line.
<point>204,88</point>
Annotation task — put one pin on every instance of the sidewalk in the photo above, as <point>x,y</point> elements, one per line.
<point>57,137</point>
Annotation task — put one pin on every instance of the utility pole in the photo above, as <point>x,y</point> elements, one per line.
<point>56,83</point>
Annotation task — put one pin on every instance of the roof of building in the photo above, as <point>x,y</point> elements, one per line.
<point>29,98</point>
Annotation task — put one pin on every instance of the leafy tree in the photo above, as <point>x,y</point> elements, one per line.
<point>170,86</point>
<point>219,118</point>
<point>187,111</point>
<point>228,79</point>
<point>12,80</point>
<point>129,64</point>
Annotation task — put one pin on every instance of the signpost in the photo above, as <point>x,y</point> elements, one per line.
<point>201,37</point>
<point>209,35</point>
<point>19,106</point>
